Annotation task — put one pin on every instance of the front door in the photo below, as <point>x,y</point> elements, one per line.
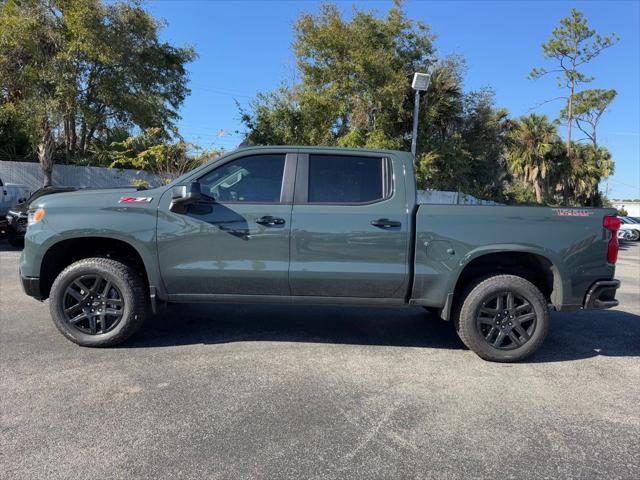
<point>238,245</point>
<point>350,227</point>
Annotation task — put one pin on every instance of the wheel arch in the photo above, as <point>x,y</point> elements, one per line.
<point>67,251</point>
<point>534,266</point>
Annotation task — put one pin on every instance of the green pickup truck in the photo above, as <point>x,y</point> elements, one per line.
<point>315,226</point>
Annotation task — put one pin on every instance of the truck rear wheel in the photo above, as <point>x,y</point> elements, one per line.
<point>503,318</point>
<point>98,302</point>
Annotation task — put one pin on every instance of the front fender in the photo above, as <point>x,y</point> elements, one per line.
<point>134,226</point>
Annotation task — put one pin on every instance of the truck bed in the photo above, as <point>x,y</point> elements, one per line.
<point>570,241</point>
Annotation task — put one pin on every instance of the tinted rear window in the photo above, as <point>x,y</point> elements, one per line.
<point>345,179</point>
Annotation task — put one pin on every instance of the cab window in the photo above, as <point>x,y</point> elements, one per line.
<point>254,179</point>
<point>347,179</point>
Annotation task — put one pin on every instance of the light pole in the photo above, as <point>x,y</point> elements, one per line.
<point>420,84</point>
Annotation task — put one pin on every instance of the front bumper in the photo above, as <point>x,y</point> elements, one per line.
<point>18,223</point>
<point>31,286</point>
<point>602,295</point>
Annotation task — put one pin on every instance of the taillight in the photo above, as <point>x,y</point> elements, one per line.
<point>612,223</point>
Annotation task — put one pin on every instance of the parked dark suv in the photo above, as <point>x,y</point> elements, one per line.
<point>17,216</point>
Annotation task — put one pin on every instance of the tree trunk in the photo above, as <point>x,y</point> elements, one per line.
<point>83,135</point>
<point>67,137</point>
<point>536,187</point>
<point>570,117</point>
<point>46,149</point>
<point>73,137</point>
<point>88,139</point>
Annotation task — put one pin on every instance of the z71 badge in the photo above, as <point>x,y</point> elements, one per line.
<point>135,199</point>
<point>570,212</point>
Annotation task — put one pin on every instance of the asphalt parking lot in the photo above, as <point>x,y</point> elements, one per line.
<point>233,391</point>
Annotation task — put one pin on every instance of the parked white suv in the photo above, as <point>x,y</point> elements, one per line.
<point>629,229</point>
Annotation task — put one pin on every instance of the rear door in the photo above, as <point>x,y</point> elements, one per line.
<point>350,227</point>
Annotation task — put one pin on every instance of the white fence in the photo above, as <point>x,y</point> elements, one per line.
<point>30,174</point>
<point>456,198</point>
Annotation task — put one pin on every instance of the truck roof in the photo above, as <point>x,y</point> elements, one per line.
<point>319,148</point>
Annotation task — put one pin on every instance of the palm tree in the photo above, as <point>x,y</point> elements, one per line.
<point>589,166</point>
<point>530,143</point>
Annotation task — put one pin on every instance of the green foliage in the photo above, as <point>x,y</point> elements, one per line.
<point>529,156</point>
<point>140,184</point>
<point>14,136</point>
<point>588,108</point>
<point>586,168</point>
<point>464,139</point>
<point>571,46</point>
<point>355,82</point>
<point>154,151</point>
<point>622,212</point>
<point>74,70</point>
<point>518,192</point>
<point>537,157</point>
<point>355,91</point>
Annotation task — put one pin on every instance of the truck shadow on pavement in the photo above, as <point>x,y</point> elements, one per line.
<point>5,247</point>
<point>186,324</point>
<point>572,336</point>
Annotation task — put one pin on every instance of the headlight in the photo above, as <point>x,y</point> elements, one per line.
<point>35,216</point>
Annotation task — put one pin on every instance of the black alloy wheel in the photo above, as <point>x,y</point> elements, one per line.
<point>502,318</point>
<point>506,320</point>
<point>92,304</point>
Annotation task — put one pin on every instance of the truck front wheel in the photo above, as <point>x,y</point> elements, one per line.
<point>98,302</point>
<point>503,318</point>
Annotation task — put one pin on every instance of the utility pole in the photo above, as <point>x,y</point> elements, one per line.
<point>420,83</point>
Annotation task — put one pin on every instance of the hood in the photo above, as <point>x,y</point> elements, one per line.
<point>23,207</point>
<point>100,198</point>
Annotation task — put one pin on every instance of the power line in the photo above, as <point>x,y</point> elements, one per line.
<point>219,91</point>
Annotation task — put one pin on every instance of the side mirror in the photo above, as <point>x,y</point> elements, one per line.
<point>184,195</point>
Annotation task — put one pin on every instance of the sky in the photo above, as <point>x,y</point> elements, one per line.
<point>244,47</point>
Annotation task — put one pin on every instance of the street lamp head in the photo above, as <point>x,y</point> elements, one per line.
<point>420,81</point>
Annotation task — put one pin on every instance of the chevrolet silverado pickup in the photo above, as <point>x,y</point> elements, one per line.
<point>308,225</point>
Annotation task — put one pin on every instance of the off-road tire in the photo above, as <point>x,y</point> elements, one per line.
<point>125,278</point>
<point>472,300</point>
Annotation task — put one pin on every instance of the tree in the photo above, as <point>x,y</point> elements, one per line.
<point>586,168</point>
<point>531,142</point>
<point>355,82</point>
<point>75,69</point>
<point>154,151</point>
<point>572,45</point>
<point>588,108</point>
<point>276,118</point>
<point>14,138</point>
<point>463,137</point>
<point>355,91</point>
